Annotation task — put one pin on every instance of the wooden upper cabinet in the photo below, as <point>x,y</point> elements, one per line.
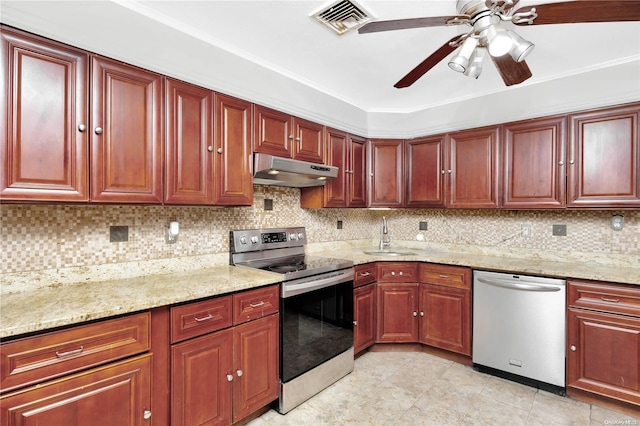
<point>533,163</point>
<point>283,135</point>
<point>424,175</point>
<point>385,168</point>
<point>126,133</point>
<point>473,168</point>
<point>43,130</point>
<point>336,191</point>
<point>189,144</point>
<point>604,158</point>
<point>233,154</point>
<point>357,173</point>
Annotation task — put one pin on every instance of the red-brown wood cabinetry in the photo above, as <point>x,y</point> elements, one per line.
<point>397,302</point>
<point>604,158</point>
<point>364,306</point>
<point>126,133</point>
<point>44,125</point>
<point>533,163</point>
<point>603,353</point>
<point>424,172</point>
<point>385,167</point>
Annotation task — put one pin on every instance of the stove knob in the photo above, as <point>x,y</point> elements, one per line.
<point>300,236</point>
<point>254,239</point>
<point>243,240</point>
<point>293,237</point>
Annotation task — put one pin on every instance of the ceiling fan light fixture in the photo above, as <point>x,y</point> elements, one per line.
<point>460,62</point>
<point>521,47</point>
<point>498,41</point>
<point>475,64</point>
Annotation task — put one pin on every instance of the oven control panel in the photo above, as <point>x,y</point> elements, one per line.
<point>265,239</point>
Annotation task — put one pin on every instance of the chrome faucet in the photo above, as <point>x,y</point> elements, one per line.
<point>385,241</point>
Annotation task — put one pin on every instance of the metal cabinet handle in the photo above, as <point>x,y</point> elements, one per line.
<point>146,414</point>
<point>219,150</point>
<point>393,273</point>
<point>257,305</point>
<point>401,273</point>
<point>239,373</point>
<point>98,130</point>
<point>610,299</point>
<point>571,161</point>
<point>442,171</point>
<point>449,171</point>
<point>415,314</point>
<point>443,276</point>
<point>291,137</point>
<point>229,377</point>
<point>210,148</point>
<point>82,127</point>
<point>573,348</point>
<point>298,139</point>
<point>371,174</point>
<point>355,323</point>
<point>202,319</point>
<point>69,353</point>
<point>561,163</point>
<point>421,313</point>
<point>365,274</point>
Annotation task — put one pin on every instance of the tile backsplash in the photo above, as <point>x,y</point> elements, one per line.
<point>39,237</point>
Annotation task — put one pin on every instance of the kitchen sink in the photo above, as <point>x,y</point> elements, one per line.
<point>388,252</point>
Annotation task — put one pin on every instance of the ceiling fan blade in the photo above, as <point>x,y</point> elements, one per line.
<point>568,12</point>
<point>512,72</point>
<point>429,63</point>
<point>403,24</point>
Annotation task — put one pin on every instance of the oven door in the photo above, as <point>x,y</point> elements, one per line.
<point>316,319</point>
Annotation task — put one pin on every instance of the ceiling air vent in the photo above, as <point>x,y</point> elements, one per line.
<point>342,16</point>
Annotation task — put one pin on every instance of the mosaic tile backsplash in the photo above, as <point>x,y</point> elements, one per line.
<point>42,237</point>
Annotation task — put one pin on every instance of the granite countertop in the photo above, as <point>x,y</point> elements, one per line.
<point>41,300</point>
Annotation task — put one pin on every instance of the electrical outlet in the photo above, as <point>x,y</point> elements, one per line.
<point>422,226</point>
<point>118,234</point>
<point>617,222</point>
<point>559,230</point>
<point>525,230</point>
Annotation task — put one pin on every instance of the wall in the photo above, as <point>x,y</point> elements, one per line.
<point>44,237</point>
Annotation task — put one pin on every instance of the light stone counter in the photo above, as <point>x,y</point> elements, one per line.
<point>42,300</point>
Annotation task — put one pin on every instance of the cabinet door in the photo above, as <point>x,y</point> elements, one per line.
<point>189,144</point>
<point>603,354</point>
<point>397,312</point>
<point>424,172</point>
<point>308,141</point>
<point>116,394</point>
<point>272,133</point>
<point>201,380</point>
<point>473,169</point>
<point>364,326</point>
<point>126,138</point>
<point>604,158</point>
<point>233,155</point>
<point>386,187</point>
<point>335,190</point>
<point>43,144</point>
<point>357,174</point>
<point>534,164</point>
<point>445,318</point>
<point>255,362</point>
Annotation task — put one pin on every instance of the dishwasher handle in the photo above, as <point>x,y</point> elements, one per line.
<point>520,285</point>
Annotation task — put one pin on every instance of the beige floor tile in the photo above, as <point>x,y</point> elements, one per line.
<point>550,409</point>
<point>511,393</point>
<point>606,417</point>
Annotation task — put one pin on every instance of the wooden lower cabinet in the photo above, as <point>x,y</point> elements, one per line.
<point>221,377</point>
<point>364,314</point>
<point>115,394</point>
<point>397,311</point>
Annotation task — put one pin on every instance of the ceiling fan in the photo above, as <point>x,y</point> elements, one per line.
<point>487,35</point>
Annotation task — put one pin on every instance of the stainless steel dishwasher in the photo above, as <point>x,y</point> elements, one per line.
<point>519,328</point>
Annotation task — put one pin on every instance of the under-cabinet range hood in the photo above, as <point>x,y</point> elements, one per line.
<point>279,171</point>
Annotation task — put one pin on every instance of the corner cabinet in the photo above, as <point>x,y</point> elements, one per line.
<point>126,133</point>
<point>604,158</point>
<point>603,339</point>
<point>44,124</point>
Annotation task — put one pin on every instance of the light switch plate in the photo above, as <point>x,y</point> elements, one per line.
<point>559,230</point>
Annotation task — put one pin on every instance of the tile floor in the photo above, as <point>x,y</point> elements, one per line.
<point>415,388</point>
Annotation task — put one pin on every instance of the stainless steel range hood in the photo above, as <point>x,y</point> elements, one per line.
<point>279,171</point>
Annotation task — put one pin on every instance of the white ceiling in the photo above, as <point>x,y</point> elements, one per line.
<point>352,75</point>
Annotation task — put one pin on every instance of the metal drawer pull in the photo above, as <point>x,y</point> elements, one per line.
<point>610,299</point>
<point>256,305</point>
<point>146,414</point>
<point>443,276</point>
<point>415,314</point>
<point>573,348</point>
<point>239,373</point>
<point>365,274</point>
<point>207,318</point>
<point>229,377</point>
<point>69,353</point>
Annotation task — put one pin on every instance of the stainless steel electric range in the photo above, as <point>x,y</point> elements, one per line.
<point>316,309</point>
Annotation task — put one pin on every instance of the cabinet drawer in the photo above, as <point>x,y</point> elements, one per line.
<point>252,304</point>
<point>42,357</point>
<point>449,276</point>
<point>608,297</point>
<point>195,319</point>
<point>364,274</point>
<point>397,272</point>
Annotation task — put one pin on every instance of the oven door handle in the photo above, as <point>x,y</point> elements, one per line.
<point>292,288</point>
